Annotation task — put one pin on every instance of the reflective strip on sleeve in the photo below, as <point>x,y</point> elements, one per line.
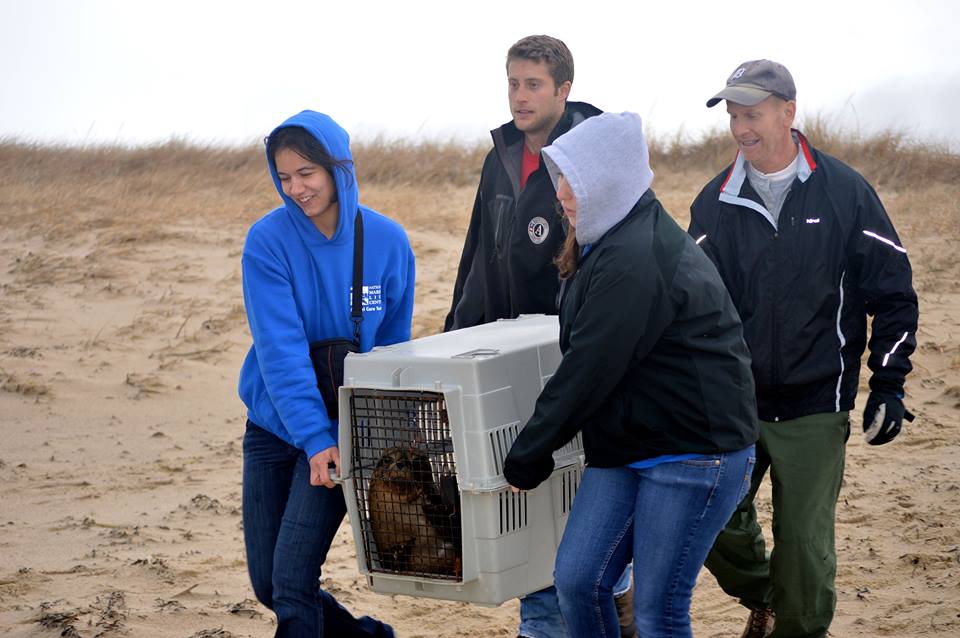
<point>886,357</point>
<point>870,233</point>
<point>842,339</point>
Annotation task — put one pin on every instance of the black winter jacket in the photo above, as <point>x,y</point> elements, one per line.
<point>654,360</point>
<point>804,289</point>
<point>506,268</point>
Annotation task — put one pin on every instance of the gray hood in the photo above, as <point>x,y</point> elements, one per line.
<point>606,162</point>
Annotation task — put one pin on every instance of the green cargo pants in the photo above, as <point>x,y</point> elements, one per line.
<point>796,579</point>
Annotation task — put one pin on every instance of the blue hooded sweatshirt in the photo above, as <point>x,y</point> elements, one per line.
<point>297,289</point>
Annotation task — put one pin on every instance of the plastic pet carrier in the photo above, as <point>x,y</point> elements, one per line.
<point>424,429</point>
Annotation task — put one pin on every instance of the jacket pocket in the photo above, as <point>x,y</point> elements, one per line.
<point>501,213</point>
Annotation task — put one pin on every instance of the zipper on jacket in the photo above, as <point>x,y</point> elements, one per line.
<point>776,346</point>
<point>497,241</point>
<point>774,316</point>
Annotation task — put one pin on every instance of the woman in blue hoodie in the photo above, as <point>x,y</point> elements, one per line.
<point>656,375</point>
<point>297,284</point>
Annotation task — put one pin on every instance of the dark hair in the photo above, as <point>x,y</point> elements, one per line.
<point>301,142</point>
<point>568,260</point>
<point>551,51</point>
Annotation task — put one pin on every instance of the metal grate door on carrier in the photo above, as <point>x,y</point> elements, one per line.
<point>405,483</point>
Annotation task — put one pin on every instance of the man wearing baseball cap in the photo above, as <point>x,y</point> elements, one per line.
<point>807,252</point>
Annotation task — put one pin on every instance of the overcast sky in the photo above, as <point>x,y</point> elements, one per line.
<point>135,72</point>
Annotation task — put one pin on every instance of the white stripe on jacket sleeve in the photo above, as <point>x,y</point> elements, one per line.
<point>887,356</point>
<point>870,233</point>
<point>842,339</point>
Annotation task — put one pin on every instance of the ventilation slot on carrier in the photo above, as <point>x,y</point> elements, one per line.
<point>500,442</point>
<point>513,511</point>
<point>569,481</point>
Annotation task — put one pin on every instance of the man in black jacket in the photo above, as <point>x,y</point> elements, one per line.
<point>506,268</point>
<point>807,251</point>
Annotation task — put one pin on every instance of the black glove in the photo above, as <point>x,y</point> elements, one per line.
<point>883,417</point>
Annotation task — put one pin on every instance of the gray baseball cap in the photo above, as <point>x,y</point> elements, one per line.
<point>754,81</point>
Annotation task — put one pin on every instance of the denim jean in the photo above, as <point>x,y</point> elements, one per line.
<point>540,615</point>
<point>288,526</point>
<point>665,518</point>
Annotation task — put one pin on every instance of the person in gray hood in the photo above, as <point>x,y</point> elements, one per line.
<point>506,268</point>
<point>656,375</point>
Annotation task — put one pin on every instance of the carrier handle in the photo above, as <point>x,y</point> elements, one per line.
<point>336,478</point>
<point>479,352</point>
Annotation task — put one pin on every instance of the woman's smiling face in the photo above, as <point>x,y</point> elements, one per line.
<point>311,186</point>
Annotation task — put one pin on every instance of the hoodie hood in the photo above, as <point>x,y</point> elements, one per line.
<point>337,143</point>
<point>607,164</point>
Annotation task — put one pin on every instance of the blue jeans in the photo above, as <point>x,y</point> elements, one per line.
<point>665,518</point>
<point>540,615</point>
<point>288,526</point>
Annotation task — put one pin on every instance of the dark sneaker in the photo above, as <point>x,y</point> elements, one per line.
<point>759,625</point>
<point>624,603</point>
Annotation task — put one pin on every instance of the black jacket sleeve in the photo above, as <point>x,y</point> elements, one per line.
<point>885,281</point>
<point>615,324</point>
<point>467,307</point>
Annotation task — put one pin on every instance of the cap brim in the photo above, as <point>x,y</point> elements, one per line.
<point>744,95</point>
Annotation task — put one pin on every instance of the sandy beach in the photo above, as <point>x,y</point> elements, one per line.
<point>121,335</point>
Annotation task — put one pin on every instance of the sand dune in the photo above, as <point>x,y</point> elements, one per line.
<point>121,334</point>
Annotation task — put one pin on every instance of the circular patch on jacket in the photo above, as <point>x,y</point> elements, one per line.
<point>538,229</point>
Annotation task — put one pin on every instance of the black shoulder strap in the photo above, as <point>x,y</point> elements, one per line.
<point>356,312</point>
